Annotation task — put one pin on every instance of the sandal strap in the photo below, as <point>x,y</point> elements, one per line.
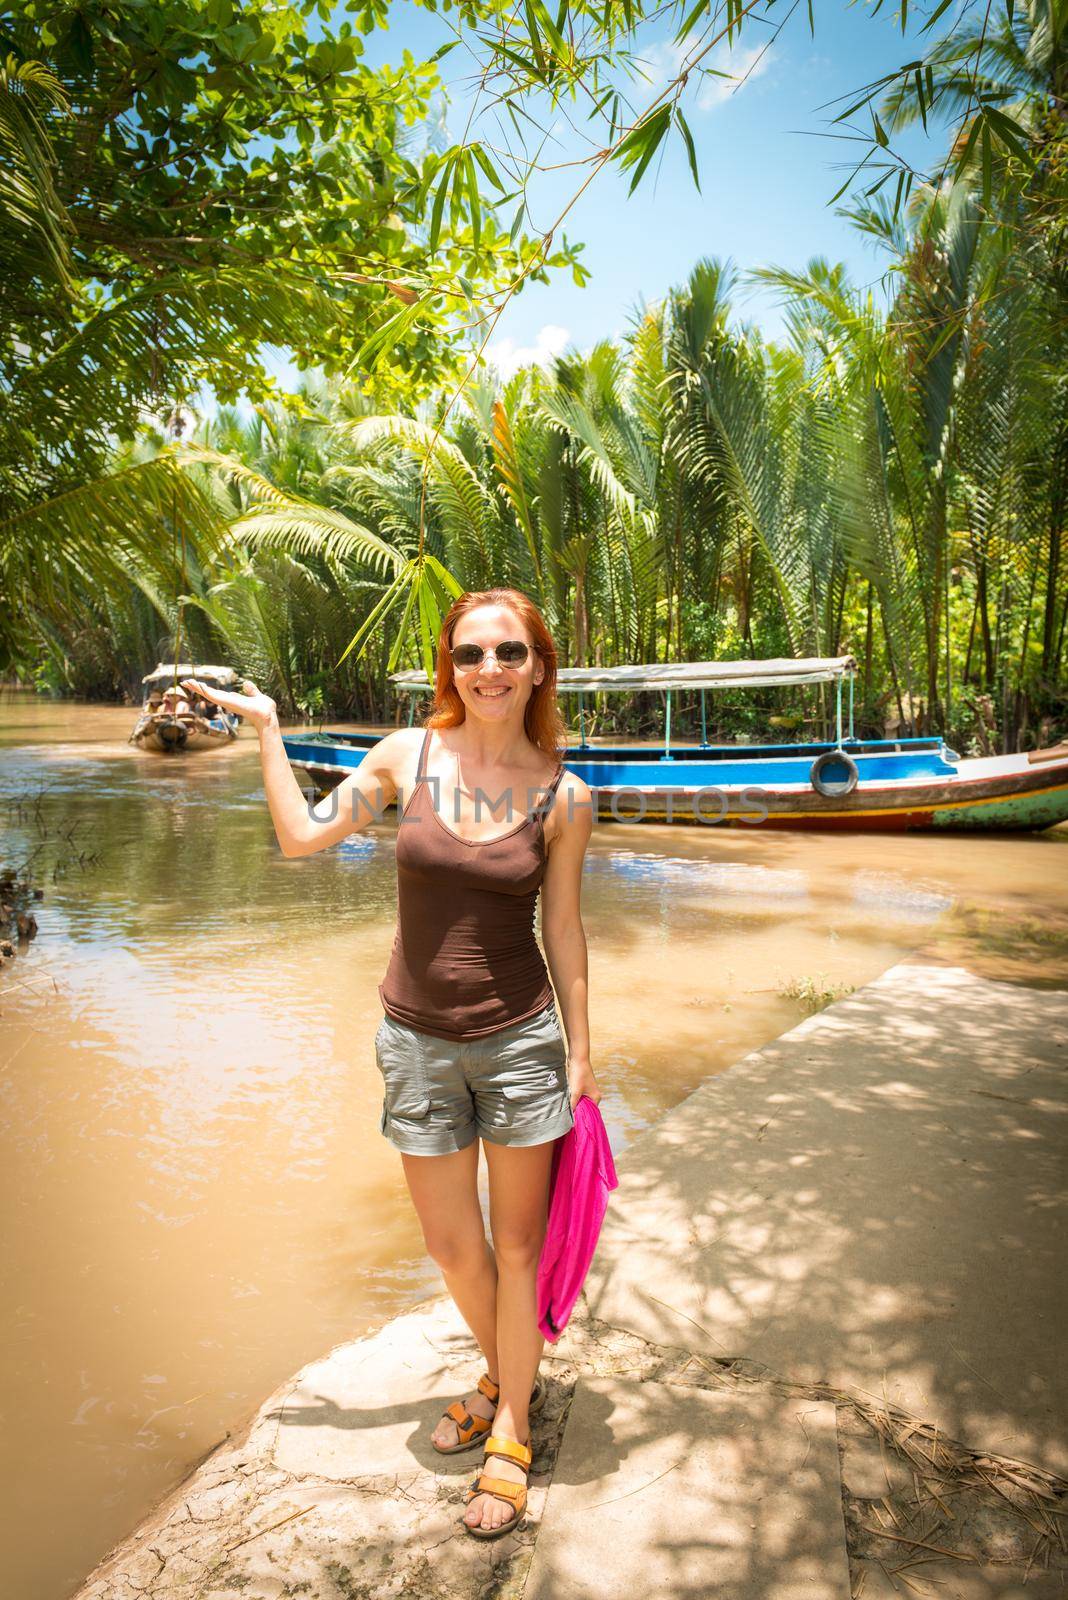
<point>501,1489</point>
<point>466,1424</point>
<point>487,1386</point>
<point>510,1449</point>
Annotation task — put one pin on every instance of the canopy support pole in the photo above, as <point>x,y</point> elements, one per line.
<point>704,734</point>
<point>582,718</point>
<point>851,677</point>
<point>667,729</point>
<point>838,713</point>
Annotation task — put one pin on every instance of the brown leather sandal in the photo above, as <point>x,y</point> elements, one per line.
<point>472,1429</point>
<point>513,1494</point>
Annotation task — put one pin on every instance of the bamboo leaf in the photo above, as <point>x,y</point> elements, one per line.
<point>535,37</point>
<point>459,184</point>
<point>690,151</point>
<point>487,166</point>
<point>688,22</point>
<point>385,336</point>
<point>1012,134</point>
<point>877,185</point>
<point>525,65</point>
<point>639,148</point>
<point>866,97</point>
<point>632,146</point>
<point>940,8</point>
<point>474,199</point>
<point>969,144</point>
<point>550,30</point>
<point>439,205</point>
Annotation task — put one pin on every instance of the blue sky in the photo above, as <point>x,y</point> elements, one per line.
<point>766,174</point>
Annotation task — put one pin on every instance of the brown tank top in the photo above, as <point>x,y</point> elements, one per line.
<point>465,958</point>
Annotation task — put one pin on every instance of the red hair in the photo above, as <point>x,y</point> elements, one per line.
<point>542,722</point>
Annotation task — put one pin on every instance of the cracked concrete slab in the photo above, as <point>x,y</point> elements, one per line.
<point>370,1407</point>
<point>876,1201</point>
<point>673,1492</point>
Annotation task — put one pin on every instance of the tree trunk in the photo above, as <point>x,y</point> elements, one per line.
<point>982,600</point>
<point>971,640</point>
<point>1050,635</point>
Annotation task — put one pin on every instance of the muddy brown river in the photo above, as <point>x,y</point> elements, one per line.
<point>198,1199</point>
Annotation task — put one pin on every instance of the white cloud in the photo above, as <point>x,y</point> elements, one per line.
<point>661,64</point>
<point>737,61</point>
<point>508,357</point>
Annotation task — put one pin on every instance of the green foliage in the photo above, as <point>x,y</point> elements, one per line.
<point>189,182</point>
<point>814,991</point>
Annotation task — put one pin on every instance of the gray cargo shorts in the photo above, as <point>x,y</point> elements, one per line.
<point>508,1087</point>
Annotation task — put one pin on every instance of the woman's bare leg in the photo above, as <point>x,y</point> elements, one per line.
<point>519,1199</point>
<point>444,1191</point>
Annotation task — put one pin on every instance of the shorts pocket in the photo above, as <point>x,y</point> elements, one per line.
<point>536,1089</point>
<point>555,1032</point>
<point>536,1078</point>
<point>400,1059</point>
<point>536,1050</point>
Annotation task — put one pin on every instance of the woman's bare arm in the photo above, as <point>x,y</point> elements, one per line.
<point>562,932</point>
<point>360,798</point>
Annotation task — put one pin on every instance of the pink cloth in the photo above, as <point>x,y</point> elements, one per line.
<point>582,1174</point>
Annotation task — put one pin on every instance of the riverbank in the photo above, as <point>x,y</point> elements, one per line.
<point>819,1341</point>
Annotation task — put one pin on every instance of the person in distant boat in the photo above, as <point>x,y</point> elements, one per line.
<point>470,1045</point>
<point>175,703</point>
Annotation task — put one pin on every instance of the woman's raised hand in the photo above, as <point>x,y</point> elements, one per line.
<point>257,708</point>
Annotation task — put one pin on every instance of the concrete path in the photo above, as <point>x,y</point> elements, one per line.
<point>817,1356</point>
<point>876,1201</point>
<point>664,1490</point>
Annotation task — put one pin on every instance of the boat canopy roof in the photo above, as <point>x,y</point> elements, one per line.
<point>167,671</point>
<point>681,674</point>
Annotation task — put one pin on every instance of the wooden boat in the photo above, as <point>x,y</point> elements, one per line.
<point>876,785</point>
<point>169,723</point>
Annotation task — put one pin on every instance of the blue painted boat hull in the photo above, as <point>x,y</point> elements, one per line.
<point>901,784</point>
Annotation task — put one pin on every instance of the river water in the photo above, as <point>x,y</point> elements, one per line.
<point>198,1198</point>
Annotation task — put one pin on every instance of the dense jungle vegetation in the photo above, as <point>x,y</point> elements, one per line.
<point>189,182</point>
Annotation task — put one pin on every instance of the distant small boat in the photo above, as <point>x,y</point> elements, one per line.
<point>850,784</point>
<point>171,723</point>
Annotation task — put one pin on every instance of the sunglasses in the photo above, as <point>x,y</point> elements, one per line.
<point>512,653</point>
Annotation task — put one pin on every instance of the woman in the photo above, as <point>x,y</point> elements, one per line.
<point>469,1046</point>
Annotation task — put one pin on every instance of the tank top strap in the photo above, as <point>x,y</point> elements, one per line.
<point>543,807</point>
<point>420,770</point>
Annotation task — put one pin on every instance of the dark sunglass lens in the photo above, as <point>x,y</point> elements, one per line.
<point>512,653</point>
<point>467,655</point>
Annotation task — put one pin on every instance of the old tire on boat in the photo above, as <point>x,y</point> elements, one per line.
<point>833,774</point>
